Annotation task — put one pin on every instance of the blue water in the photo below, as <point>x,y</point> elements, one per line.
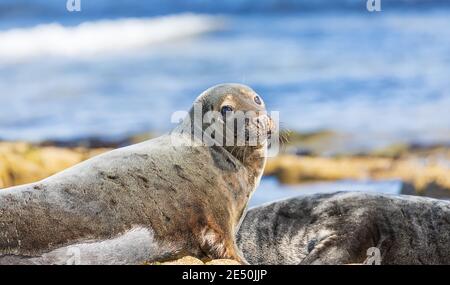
<point>377,77</point>
<point>271,190</point>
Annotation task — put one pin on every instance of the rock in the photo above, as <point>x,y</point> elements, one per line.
<point>189,260</point>
<point>222,262</point>
<point>22,163</point>
<point>311,143</point>
<point>348,228</point>
<point>428,174</point>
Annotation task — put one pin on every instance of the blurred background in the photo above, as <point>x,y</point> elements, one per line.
<point>364,96</point>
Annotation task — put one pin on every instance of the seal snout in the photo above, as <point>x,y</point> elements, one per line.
<point>265,125</point>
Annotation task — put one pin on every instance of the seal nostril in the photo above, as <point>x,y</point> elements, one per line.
<point>225,110</point>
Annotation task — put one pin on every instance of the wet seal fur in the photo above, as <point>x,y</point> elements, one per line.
<point>151,201</point>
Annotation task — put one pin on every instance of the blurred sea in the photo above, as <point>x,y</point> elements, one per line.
<point>271,190</point>
<point>122,67</point>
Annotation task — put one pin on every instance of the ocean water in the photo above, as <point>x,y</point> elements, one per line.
<point>123,67</point>
<point>271,190</point>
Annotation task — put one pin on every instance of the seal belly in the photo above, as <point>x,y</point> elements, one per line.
<point>135,246</point>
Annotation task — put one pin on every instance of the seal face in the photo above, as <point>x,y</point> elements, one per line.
<point>151,201</point>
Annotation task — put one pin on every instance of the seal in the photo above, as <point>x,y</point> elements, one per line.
<point>168,197</point>
<point>348,228</point>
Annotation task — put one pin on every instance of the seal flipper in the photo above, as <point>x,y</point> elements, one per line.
<point>220,246</point>
<point>135,246</point>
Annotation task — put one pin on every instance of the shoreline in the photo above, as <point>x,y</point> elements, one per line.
<point>423,169</point>
<point>310,143</point>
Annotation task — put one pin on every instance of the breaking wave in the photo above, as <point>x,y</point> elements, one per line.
<point>91,38</point>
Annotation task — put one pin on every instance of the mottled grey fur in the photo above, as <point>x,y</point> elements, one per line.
<point>339,228</point>
<point>183,200</point>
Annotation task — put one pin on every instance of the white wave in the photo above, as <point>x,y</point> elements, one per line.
<point>91,38</point>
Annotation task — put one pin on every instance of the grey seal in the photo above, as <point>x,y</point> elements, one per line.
<point>147,202</point>
<point>348,228</point>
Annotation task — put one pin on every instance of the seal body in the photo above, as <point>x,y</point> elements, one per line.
<point>348,228</point>
<point>146,202</point>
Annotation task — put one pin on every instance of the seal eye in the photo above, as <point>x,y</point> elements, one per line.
<point>257,100</point>
<point>226,109</point>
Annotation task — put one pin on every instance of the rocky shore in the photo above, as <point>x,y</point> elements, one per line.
<point>424,171</point>
<point>190,260</point>
<point>22,163</point>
